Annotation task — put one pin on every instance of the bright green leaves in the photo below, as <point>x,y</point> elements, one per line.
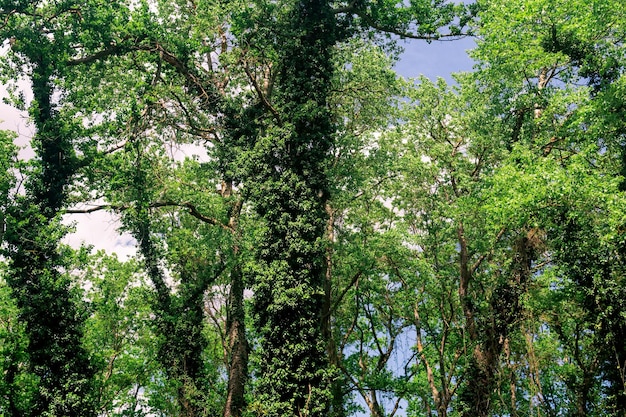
<point>553,176</point>
<point>8,154</point>
<point>459,251</point>
<point>118,332</point>
<point>17,385</point>
<point>44,38</point>
<point>418,19</point>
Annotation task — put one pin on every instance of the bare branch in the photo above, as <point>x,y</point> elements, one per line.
<point>260,93</point>
<point>193,211</point>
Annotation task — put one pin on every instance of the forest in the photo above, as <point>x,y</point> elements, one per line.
<point>338,240</point>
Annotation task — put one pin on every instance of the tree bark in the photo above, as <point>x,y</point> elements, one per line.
<point>238,347</point>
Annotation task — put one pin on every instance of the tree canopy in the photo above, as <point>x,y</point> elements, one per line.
<point>315,235</point>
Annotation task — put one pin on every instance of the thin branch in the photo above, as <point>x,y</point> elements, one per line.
<point>6,19</point>
<point>186,72</point>
<point>114,148</point>
<point>85,161</point>
<point>94,209</point>
<point>115,49</point>
<point>480,260</point>
<point>407,35</point>
<point>350,8</point>
<point>195,128</point>
<point>479,163</point>
<point>372,327</point>
<point>192,211</point>
<point>195,213</point>
<point>261,94</point>
<point>73,10</point>
<point>354,280</point>
<point>375,185</point>
<point>396,406</point>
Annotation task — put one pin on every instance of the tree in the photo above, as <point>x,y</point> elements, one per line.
<point>554,132</point>
<point>47,305</point>
<point>17,385</point>
<point>47,42</point>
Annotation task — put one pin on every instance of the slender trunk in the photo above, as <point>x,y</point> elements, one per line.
<point>466,277</point>
<point>440,398</point>
<point>236,319</point>
<point>179,319</point>
<point>373,405</point>
<point>338,386</point>
<point>512,379</point>
<point>180,328</point>
<point>583,397</point>
<point>476,395</point>
<point>238,347</point>
<point>12,396</point>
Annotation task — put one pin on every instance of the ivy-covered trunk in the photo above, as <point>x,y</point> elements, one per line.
<point>179,316</point>
<point>48,307</point>
<point>289,183</point>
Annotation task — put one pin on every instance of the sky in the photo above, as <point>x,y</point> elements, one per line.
<point>100,229</point>
<point>436,59</point>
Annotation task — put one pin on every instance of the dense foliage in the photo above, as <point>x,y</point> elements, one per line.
<point>341,241</point>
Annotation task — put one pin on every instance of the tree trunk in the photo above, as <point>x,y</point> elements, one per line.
<point>490,338</point>
<point>238,347</point>
<point>289,185</point>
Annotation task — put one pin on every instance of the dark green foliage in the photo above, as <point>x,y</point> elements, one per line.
<point>289,187</point>
<point>51,312</point>
<point>598,273</point>
<point>179,318</point>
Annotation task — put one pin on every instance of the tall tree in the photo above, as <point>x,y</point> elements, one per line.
<point>47,306</point>
<point>546,86</point>
<point>287,181</point>
<point>48,42</point>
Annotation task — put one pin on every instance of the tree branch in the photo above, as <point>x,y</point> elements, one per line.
<point>261,94</point>
<point>194,127</point>
<point>115,49</point>
<point>480,260</point>
<point>407,35</point>
<point>6,20</point>
<point>193,211</point>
